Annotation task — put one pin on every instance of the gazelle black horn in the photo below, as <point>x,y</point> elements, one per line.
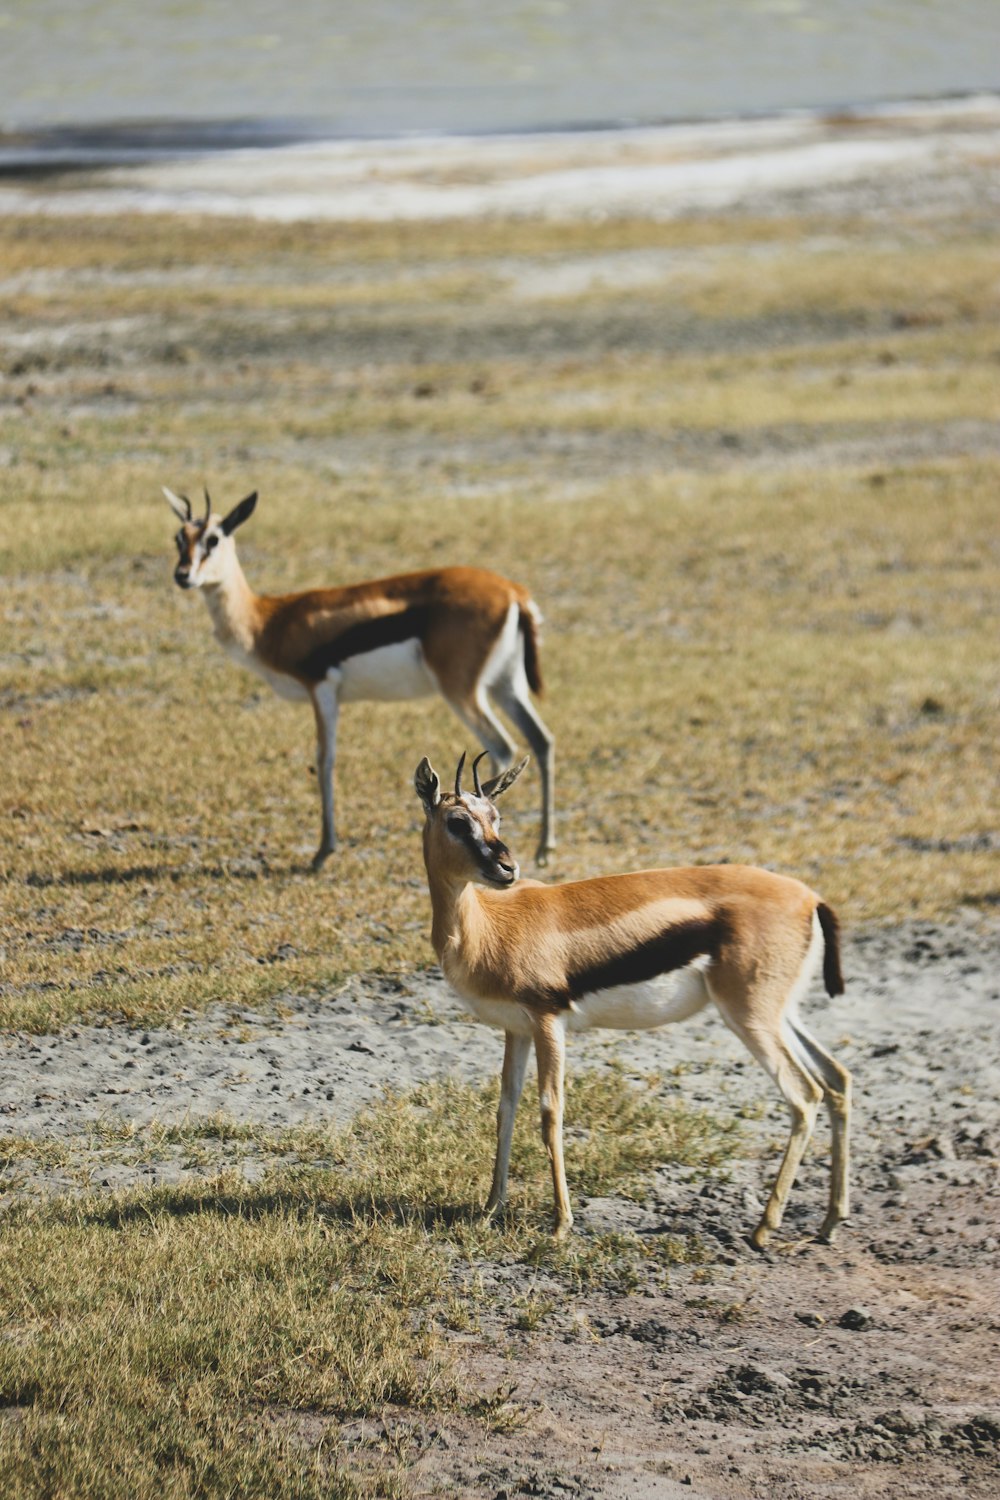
<point>475,773</point>
<point>208,503</point>
<point>458,776</point>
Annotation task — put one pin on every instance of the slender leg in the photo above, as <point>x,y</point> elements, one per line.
<point>801,1093</point>
<point>326,708</point>
<point>513,698</point>
<point>515,1063</point>
<point>550,1050</point>
<point>836,1084</point>
<point>477,716</point>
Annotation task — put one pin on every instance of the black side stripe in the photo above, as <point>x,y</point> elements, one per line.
<point>366,635</point>
<point>674,948</point>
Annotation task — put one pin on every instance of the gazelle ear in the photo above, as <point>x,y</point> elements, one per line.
<point>239,514</point>
<point>179,504</point>
<point>428,785</point>
<point>496,788</point>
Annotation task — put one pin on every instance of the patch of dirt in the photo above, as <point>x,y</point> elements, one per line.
<point>863,1368</point>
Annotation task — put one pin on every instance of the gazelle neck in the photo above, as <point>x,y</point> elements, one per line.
<point>232,604</point>
<point>456,912</point>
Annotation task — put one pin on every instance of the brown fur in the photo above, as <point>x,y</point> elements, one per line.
<point>312,645</point>
<point>523,953</point>
<point>458,612</point>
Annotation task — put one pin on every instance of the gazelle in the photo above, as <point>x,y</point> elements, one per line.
<point>629,951</point>
<point>467,634</point>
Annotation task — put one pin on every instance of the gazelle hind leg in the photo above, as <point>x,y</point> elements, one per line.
<point>801,1093</point>
<point>477,716</point>
<point>835,1081</point>
<point>550,1050</point>
<point>515,1063</point>
<point>513,696</point>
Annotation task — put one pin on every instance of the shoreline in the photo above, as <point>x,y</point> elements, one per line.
<point>646,171</point>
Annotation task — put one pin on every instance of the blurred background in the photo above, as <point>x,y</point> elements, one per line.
<point>376,67</point>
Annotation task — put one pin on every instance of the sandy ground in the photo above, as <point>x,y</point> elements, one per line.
<point>866,1368</point>
<point>914,153</point>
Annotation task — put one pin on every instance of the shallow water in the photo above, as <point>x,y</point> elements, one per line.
<point>376,67</point>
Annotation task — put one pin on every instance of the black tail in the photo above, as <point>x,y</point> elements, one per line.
<point>832,976</point>
<point>532,665</point>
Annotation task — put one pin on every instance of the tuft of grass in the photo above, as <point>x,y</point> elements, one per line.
<point>180,1340</point>
<point>418,1153</point>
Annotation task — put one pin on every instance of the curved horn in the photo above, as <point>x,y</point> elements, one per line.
<point>458,776</point>
<point>475,773</point>
<point>179,504</point>
<point>208,503</point>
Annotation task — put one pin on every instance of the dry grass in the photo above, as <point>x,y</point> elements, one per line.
<point>208,1339</point>
<point>756,500</point>
<point>785,657</point>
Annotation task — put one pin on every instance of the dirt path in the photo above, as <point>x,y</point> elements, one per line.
<point>869,1368</point>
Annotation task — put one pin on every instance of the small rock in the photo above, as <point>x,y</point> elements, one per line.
<point>855,1318</point>
<point>811,1319</point>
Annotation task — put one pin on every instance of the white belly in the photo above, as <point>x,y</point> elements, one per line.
<point>390,672</point>
<point>629,1007</point>
<point>641,1007</point>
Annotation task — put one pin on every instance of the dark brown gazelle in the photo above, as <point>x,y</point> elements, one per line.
<point>464,633</point>
<point>630,951</point>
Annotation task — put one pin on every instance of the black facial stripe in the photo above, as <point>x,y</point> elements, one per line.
<point>487,858</point>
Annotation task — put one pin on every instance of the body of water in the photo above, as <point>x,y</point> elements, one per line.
<point>106,75</point>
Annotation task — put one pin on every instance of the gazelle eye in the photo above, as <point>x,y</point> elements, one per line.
<point>457,826</point>
<point>211,543</point>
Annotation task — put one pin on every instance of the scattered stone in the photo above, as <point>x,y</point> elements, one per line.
<point>855,1318</point>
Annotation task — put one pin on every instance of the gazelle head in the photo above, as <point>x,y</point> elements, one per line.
<point>462,829</point>
<point>205,546</point>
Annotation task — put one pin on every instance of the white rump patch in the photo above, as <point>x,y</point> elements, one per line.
<point>503,661</point>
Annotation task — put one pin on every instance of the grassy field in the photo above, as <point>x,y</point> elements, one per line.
<point>756,499</point>
<point>748,469</point>
<point>210,1339</point>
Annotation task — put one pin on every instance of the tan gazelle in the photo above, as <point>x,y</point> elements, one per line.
<point>464,633</point>
<point>630,951</point>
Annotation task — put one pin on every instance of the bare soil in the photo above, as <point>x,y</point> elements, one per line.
<point>868,1367</point>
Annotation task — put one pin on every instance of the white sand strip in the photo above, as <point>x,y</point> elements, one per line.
<point>660,172</point>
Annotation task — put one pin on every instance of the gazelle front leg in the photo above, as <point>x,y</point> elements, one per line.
<point>550,1050</point>
<point>326,708</point>
<point>515,1063</point>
